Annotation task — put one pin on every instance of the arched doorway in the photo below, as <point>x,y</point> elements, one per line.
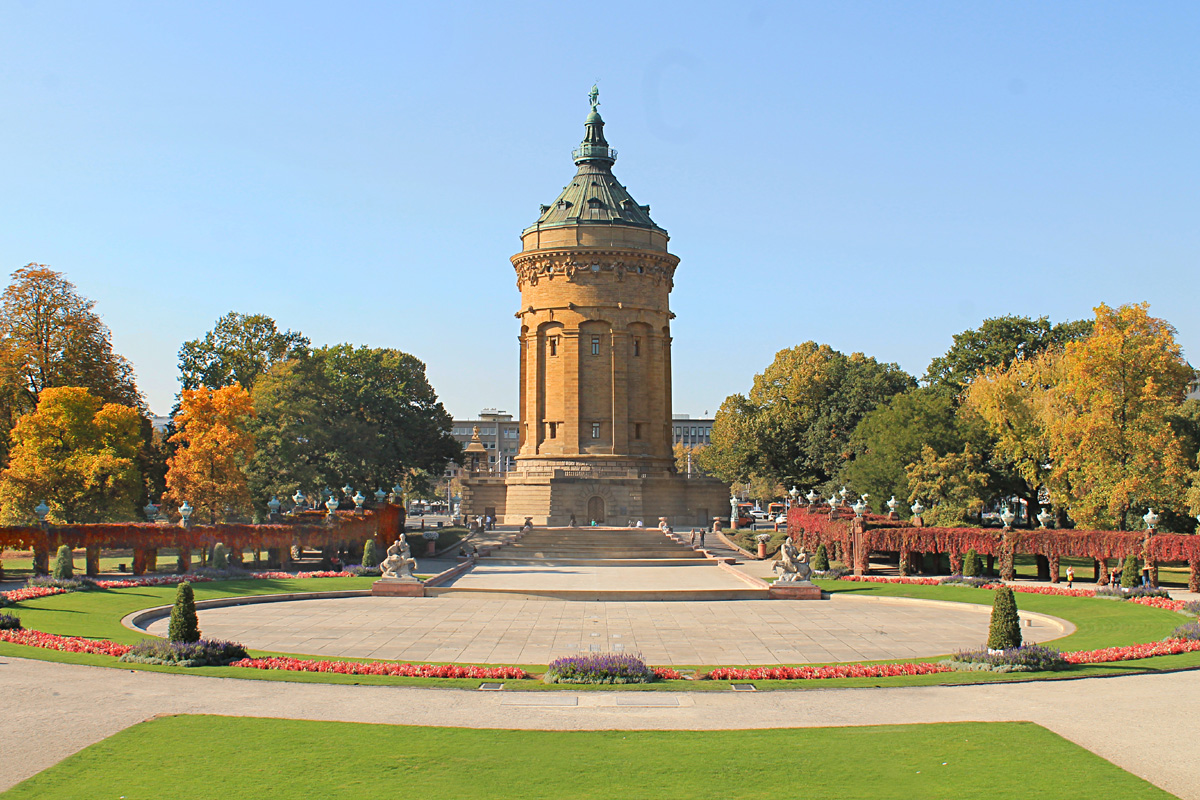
<point>596,510</point>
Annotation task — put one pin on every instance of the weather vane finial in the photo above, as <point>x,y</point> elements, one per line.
<point>594,96</point>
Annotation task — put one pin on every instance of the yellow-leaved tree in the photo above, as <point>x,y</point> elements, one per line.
<point>214,446</point>
<point>77,453</point>
<point>1093,421</point>
<point>1107,421</point>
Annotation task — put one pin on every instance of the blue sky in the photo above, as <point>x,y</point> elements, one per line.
<point>875,176</point>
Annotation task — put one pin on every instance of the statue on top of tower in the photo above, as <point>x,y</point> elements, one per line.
<point>594,97</point>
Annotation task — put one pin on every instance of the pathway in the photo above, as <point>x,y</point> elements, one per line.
<point>1149,725</point>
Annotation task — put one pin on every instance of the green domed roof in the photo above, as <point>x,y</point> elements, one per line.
<point>594,195</point>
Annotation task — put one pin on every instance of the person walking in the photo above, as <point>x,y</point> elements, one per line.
<point>702,538</point>
<point>1070,577</point>
<point>692,543</point>
<point>1146,572</point>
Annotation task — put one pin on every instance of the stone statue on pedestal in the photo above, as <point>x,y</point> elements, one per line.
<point>399,563</point>
<point>793,562</point>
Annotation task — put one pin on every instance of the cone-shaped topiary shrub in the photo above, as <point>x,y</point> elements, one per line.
<point>1129,572</point>
<point>1005,630</point>
<point>220,557</point>
<point>971,564</point>
<point>370,556</point>
<point>820,561</point>
<point>184,627</point>
<point>64,565</point>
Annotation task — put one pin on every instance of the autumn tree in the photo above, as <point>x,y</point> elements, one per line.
<point>50,336</point>
<point>77,453</point>
<point>794,426</point>
<point>1107,419</point>
<point>239,349</point>
<point>213,447</point>
<point>363,416</point>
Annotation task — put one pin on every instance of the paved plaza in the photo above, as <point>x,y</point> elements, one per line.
<point>533,631</point>
<point>1143,723</point>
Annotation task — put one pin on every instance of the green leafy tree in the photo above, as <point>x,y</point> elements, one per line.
<point>794,426</point>
<point>1005,629</point>
<point>64,564</point>
<point>820,561</point>
<point>366,416</point>
<point>220,556</point>
<point>998,342</point>
<point>971,565</point>
<point>184,626</point>
<point>76,453</point>
<point>370,555</point>
<point>951,485</point>
<point>239,349</point>
<point>891,438</point>
<point>1129,572</point>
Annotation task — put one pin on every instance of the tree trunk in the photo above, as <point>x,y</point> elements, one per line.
<point>1102,572</point>
<point>1194,575</point>
<point>1053,566</point>
<point>991,565</point>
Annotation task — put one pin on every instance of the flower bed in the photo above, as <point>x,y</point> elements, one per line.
<point>68,644</point>
<point>1160,602</point>
<point>202,653</point>
<point>883,579</point>
<point>821,673</point>
<point>382,668</point>
<point>1169,647</point>
<point>32,593</point>
<point>599,668</point>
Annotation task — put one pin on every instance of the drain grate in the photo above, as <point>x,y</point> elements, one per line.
<point>743,687</point>
<point>491,687</point>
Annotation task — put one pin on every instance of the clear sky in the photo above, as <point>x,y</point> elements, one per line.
<point>875,176</point>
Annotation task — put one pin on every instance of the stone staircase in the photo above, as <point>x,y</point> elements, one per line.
<point>596,546</point>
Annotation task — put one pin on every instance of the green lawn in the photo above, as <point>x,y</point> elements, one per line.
<point>1099,623</point>
<point>201,757</point>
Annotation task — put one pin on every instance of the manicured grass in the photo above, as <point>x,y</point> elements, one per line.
<point>230,758</point>
<point>1100,623</point>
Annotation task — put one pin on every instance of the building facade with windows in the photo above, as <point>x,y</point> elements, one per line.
<point>691,432</point>
<point>596,435</point>
<point>499,434</point>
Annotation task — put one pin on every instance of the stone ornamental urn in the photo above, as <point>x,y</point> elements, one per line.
<point>431,538</point>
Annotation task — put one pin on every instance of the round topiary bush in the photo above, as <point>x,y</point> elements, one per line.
<point>8,622</point>
<point>184,626</point>
<point>1129,572</point>
<point>370,556</point>
<point>971,564</point>
<point>820,561</point>
<point>220,556</point>
<point>64,564</point>
<point>1005,630</point>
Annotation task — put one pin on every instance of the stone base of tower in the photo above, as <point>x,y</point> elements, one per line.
<point>559,500</point>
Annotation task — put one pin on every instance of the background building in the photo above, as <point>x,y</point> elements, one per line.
<point>498,432</point>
